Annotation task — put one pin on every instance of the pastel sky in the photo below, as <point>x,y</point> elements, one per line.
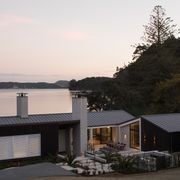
<point>48,40</point>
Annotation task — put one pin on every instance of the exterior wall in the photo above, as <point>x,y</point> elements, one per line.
<point>76,140</point>
<point>153,137</point>
<point>125,135</point>
<point>68,140</point>
<point>62,140</point>
<point>175,142</point>
<point>49,135</point>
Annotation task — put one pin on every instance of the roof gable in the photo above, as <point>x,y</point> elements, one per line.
<point>168,122</point>
<point>108,118</point>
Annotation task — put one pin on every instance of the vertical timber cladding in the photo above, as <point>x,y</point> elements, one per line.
<point>49,135</point>
<point>175,143</point>
<point>154,137</point>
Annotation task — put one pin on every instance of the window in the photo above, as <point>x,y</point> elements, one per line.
<point>12,147</point>
<point>102,135</point>
<point>134,135</point>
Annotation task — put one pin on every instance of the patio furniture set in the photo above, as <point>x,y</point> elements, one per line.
<point>113,147</point>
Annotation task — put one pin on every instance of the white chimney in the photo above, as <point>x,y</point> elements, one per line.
<point>22,105</point>
<point>79,112</point>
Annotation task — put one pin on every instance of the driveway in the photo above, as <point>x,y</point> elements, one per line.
<point>32,171</point>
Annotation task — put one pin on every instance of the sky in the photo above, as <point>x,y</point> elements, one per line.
<point>50,40</point>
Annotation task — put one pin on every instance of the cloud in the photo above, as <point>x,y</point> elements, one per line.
<point>9,19</point>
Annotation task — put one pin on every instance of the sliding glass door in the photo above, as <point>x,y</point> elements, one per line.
<point>102,135</point>
<point>134,135</point>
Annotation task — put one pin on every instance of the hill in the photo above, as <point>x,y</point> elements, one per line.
<point>135,88</point>
<point>62,83</point>
<point>89,83</point>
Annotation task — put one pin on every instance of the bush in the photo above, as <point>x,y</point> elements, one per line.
<point>124,164</point>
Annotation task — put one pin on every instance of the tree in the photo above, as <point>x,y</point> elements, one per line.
<point>159,28</point>
<point>166,97</point>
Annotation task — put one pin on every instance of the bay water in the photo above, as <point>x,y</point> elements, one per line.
<point>40,101</point>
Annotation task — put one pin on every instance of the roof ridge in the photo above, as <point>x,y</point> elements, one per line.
<point>107,111</point>
<point>13,116</point>
<point>48,114</point>
<point>160,114</point>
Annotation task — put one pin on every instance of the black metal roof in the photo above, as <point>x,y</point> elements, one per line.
<point>108,118</point>
<point>168,122</point>
<point>94,118</point>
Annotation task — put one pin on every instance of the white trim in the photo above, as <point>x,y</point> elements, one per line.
<point>129,122</point>
<point>95,127</point>
<point>140,134</point>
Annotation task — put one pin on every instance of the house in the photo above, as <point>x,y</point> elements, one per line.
<point>153,132</point>
<point>27,135</point>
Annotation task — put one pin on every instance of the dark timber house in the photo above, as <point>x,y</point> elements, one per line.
<point>161,132</point>
<point>26,136</point>
<point>153,132</point>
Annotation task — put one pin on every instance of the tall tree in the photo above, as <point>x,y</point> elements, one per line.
<point>160,27</point>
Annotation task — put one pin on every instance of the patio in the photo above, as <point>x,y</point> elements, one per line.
<point>113,148</point>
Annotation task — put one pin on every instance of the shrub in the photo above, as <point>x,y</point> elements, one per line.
<point>124,164</point>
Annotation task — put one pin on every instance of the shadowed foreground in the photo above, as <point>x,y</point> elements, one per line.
<point>33,171</point>
<point>171,174</point>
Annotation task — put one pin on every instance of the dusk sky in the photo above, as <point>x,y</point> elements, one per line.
<point>49,40</point>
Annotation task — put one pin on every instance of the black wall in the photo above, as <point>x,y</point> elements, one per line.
<point>153,137</point>
<point>49,135</point>
<point>175,139</point>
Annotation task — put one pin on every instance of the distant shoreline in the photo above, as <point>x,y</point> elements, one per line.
<point>31,88</point>
<point>34,85</point>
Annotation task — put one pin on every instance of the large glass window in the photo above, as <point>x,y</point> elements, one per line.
<point>102,135</point>
<point>134,135</point>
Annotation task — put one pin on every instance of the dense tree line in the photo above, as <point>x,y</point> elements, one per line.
<point>90,83</point>
<point>150,83</point>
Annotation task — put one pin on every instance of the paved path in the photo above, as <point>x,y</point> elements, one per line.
<point>32,171</point>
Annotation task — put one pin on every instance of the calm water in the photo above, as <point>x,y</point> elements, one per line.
<point>40,101</point>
